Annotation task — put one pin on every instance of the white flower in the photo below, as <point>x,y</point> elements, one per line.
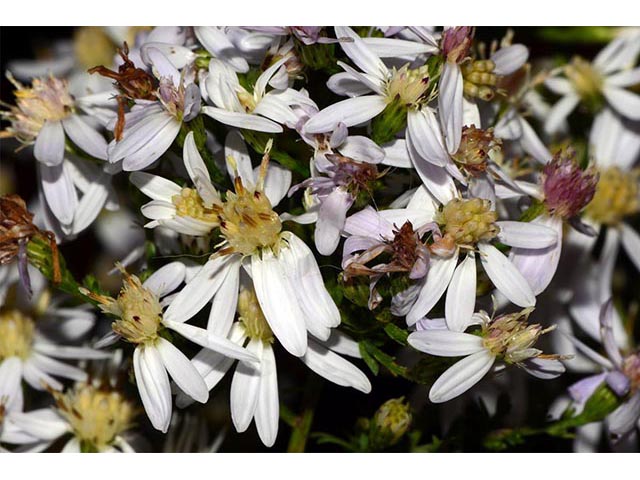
<point>152,125</point>
<point>507,338</point>
<point>257,110</point>
<point>280,263</point>
<point>140,320</point>
<point>467,225</point>
<point>97,418</point>
<point>254,388</point>
<point>30,347</point>
<point>603,79</point>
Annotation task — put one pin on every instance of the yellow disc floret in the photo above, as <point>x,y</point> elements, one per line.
<point>479,79</point>
<point>585,79</point>
<point>190,204</point>
<point>616,196</point>
<point>251,316</point>
<point>16,334</point>
<point>96,416</point>
<point>408,85</point>
<point>467,222</point>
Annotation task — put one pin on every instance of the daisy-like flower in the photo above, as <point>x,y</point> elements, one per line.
<point>566,190</point>
<point>45,115</point>
<point>257,110</point>
<point>285,274</point>
<point>508,339</point>
<point>467,225</point>
<point>184,210</point>
<point>162,104</point>
<point>601,82</point>
<point>97,418</point>
<point>139,320</point>
<point>254,388</point>
<point>27,342</point>
<point>620,371</point>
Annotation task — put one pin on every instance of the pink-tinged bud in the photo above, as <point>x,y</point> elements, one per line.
<point>567,187</point>
<point>456,42</point>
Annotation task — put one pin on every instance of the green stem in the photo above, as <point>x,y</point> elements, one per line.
<point>301,424</point>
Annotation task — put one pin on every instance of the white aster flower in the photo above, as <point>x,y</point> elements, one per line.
<point>602,81</point>
<point>139,320</point>
<point>280,263</point>
<point>259,110</point>
<point>27,341</point>
<point>97,418</point>
<point>467,225</point>
<point>507,338</point>
<point>254,388</point>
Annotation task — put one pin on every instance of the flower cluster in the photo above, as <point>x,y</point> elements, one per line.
<point>354,198</point>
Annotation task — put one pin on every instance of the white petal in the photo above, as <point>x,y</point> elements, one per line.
<point>559,85</point>
<point>436,179</point>
<point>560,111</point>
<point>450,105</point>
<point>352,111</point>
<point>631,243</point>
<point>166,279</point>
<point>208,340</point>
<point>263,80</point>
<point>59,191</point>
<point>236,148</point>
<point>532,144</point>
<point>85,137</point>
<point>242,120</point>
<point>153,386</point>
<point>273,286</point>
<point>539,266</point>
<point>509,59</point>
<point>461,295</point>
<point>197,170</point>
<point>425,136</point>
<point>624,418</point>
<point>445,343</point>
<point>44,424</point>
<point>161,66</point>
<point>201,288</point>
<point>182,371</point>
<point>342,344</point>
<point>91,204</point>
<point>155,187</point>
<point>623,101</point>
<point>276,183</point>
<point>440,273</point>
<point>267,412</point>
<point>313,297</point>
<point>335,368</point>
<point>49,148</point>
<point>245,387</point>
<point>505,276</point>
<point>360,53</point>
<point>626,78</point>
<point>215,41</point>
<point>394,47</point>
<point>138,135</point>
<point>11,383</point>
<point>526,234</point>
<point>331,219</point>
<point>396,154</point>
<point>158,209</point>
<point>224,304</point>
<point>154,148</point>
<point>461,377</point>
<point>362,149</point>
<point>346,84</point>
<point>57,368</point>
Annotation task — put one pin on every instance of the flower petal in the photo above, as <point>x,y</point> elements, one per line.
<point>49,148</point>
<point>166,279</point>
<point>631,243</point>
<point>450,105</point>
<point>267,412</point>
<point>331,219</point>
<point>461,377</point>
<point>242,120</point>
<point>85,137</point>
<point>360,53</point>
<point>438,278</point>
<point>182,371</point>
<point>445,343</point>
<point>526,234</point>
<point>245,388</point>
<point>560,111</point>
<point>154,186</point>
<point>153,386</point>
<point>59,191</point>
<point>625,417</point>
<point>509,59</point>
<point>623,101</point>
<point>505,276</point>
<point>461,295</point>
<point>334,368</point>
<point>352,111</point>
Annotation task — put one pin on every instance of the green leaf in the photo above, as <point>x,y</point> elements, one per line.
<point>396,333</point>
<point>368,359</point>
<point>536,209</point>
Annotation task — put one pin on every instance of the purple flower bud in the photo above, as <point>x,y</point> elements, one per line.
<point>456,42</point>
<point>567,187</point>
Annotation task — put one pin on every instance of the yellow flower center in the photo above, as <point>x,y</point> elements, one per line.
<point>408,85</point>
<point>247,220</point>
<point>189,204</point>
<point>468,222</point>
<point>48,99</point>
<point>511,338</point>
<point>251,316</point>
<point>586,80</point>
<point>394,418</point>
<point>616,196</point>
<point>475,147</point>
<point>96,416</point>
<point>479,79</point>
<point>16,334</point>
<point>247,100</point>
